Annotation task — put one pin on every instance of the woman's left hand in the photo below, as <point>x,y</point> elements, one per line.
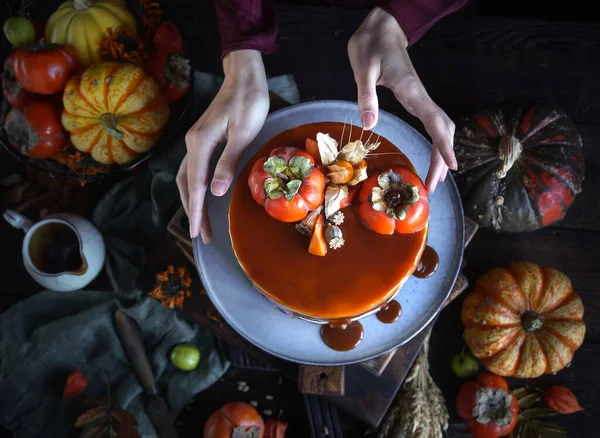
<point>378,56</point>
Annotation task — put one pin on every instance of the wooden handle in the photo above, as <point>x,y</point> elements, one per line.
<point>131,338</point>
<point>321,380</point>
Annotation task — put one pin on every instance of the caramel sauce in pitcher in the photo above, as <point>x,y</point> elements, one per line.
<point>54,249</point>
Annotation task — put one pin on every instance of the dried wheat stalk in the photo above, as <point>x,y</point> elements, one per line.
<point>419,410</point>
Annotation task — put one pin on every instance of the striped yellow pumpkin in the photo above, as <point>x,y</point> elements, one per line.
<point>83,24</point>
<point>114,112</point>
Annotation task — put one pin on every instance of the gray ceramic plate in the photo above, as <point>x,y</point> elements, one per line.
<point>255,318</point>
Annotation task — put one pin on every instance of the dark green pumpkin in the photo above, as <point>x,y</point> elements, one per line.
<point>520,165</point>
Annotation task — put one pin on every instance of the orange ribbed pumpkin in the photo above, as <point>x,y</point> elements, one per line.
<point>114,112</point>
<point>523,321</point>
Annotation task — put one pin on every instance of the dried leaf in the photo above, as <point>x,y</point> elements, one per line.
<point>527,431</point>
<point>562,400</point>
<point>300,166</point>
<point>520,392</point>
<point>549,433</point>
<point>334,195</point>
<point>338,174</point>
<point>538,412</point>
<point>291,188</point>
<point>328,148</point>
<point>100,431</point>
<point>529,400</point>
<point>354,152</point>
<point>543,426</point>
<point>95,414</point>
<point>360,174</point>
<point>516,433</point>
<point>274,165</point>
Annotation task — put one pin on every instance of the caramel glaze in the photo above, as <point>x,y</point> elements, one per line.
<point>342,337</point>
<point>428,264</point>
<point>346,282</point>
<point>390,312</point>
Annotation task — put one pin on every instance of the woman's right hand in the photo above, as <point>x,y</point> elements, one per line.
<point>236,115</point>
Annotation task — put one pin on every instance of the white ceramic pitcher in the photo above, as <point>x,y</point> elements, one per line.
<point>82,268</point>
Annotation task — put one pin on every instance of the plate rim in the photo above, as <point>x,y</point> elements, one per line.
<point>197,243</point>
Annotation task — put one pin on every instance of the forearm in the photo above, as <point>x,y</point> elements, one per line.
<point>417,16</point>
<point>246,25</point>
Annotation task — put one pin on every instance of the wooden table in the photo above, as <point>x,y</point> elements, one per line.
<point>464,62</point>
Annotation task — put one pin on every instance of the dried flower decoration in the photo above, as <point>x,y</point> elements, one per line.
<point>307,226</point>
<point>80,163</point>
<point>123,45</point>
<point>173,287</point>
<point>393,196</point>
<point>334,237</point>
<point>328,148</point>
<point>337,218</point>
<point>334,195</point>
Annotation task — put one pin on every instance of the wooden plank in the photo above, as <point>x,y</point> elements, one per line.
<point>321,380</point>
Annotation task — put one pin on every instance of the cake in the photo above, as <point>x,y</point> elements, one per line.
<point>367,257</point>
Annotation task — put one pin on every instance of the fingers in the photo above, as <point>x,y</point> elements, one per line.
<point>205,228</point>
<point>368,104</point>
<point>366,67</point>
<point>198,160</point>
<point>436,170</point>
<point>237,141</point>
<point>435,121</point>
<point>182,185</point>
<point>444,173</point>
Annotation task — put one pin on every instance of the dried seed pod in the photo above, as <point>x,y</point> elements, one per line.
<point>334,236</point>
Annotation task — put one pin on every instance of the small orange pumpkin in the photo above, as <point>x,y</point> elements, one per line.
<point>523,321</point>
<point>114,112</point>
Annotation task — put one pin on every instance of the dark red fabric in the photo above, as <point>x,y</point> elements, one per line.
<point>417,16</point>
<point>251,24</point>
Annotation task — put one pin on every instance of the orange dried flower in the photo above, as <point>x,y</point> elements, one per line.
<point>79,163</point>
<point>172,287</point>
<point>123,45</point>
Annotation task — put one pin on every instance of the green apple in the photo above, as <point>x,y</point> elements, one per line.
<point>464,365</point>
<point>186,357</point>
<point>19,30</point>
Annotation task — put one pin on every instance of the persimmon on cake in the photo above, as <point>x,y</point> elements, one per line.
<point>328,231</point>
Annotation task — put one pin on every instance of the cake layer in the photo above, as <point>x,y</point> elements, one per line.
<point>347,282</point>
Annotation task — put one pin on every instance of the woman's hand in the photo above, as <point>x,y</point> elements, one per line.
<point>378,56</point>
<point>236,115</point>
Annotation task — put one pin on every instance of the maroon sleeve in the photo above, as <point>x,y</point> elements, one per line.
<point>246,24</point>
<point>417,16</point>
